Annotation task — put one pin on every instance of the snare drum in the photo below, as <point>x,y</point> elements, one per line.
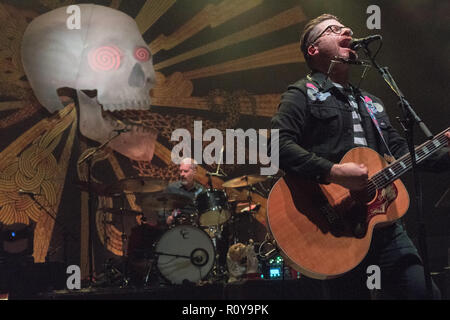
<point>185,253</point>
<point>213,208</point>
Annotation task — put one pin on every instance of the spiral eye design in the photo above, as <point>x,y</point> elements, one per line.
<point>104,58</point>
<point>142,54</point>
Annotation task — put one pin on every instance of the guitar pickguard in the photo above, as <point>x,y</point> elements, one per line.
<point>384,198</point>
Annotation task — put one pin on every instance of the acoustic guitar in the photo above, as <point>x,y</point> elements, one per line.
<point>324,231</point>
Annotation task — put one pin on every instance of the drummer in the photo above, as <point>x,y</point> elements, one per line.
<point>186,186</point>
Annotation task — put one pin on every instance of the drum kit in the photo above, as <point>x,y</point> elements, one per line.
<point>192,249</point>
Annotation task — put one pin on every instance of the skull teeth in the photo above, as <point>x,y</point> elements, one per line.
<point>134,105</point>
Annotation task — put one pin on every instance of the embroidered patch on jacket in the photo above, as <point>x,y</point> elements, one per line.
<point>370,105</point>
<point>314,93</point>
<point>378,106</point>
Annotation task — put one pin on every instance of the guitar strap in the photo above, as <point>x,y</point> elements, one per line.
<point>368,103</point>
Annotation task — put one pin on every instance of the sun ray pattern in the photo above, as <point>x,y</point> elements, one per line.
<point>211,15</point>
<point>151,11</point>
<point>285,19</point>
<point>282,55</point>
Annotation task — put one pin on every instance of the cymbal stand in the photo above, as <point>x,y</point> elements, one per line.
<point>124,246</point>
<point>250,210</point>
<point>88,158</point>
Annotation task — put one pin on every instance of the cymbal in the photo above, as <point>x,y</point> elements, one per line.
<point>244,181</point>
<point>97,188</point>
<point>164,200</point>
<point>122,211</point>
<point>137,185</point>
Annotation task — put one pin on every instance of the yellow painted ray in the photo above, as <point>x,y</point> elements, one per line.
<point>282,55</point>
<point>150,12</point>
<point>211,15</point>
<point>285,19</point>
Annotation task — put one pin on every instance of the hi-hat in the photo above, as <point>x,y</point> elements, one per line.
<point>244,181</point>
<point>137,185</point>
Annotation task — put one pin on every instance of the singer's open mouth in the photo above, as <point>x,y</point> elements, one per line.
<point>345,42</point>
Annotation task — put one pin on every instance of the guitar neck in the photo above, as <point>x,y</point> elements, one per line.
<point>396,169</point>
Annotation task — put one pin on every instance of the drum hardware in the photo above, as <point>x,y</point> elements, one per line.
<point>269,246</point>
<point>198,257</point>
<point>112,274</point>
<point>140,253</point>
<point>88,158</point>
<point>216,174</point>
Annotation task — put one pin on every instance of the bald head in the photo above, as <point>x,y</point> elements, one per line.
<point>189,161</point>
<point>187,170</point>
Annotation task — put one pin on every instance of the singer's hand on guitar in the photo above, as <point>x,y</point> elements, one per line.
<point>350,175</point>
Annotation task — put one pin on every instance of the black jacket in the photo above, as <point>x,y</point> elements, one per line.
<point>315,125</point>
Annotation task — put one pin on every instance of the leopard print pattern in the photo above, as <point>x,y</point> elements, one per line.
<point>219,101</point>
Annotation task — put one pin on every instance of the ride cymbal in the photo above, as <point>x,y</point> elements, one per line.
<point>244,181</point>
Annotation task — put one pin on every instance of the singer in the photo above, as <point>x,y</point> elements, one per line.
<point>320,118</point>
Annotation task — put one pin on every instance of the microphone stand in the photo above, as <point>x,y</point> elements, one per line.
<point>88,158</point>
<point>57,222</point>
<point>409,119</point>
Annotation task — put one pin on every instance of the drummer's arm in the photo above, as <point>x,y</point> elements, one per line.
<point>172,216</point>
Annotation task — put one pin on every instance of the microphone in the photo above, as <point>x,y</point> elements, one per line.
<point>21,191</point>
<point>363,42</point>
<point>122,130</point>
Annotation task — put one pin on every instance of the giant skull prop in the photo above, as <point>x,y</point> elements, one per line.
<point>107,54</point>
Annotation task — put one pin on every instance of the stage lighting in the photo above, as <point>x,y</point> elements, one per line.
<point>16,241</point>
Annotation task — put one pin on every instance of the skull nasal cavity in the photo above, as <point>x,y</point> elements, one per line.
<point>137,76</point>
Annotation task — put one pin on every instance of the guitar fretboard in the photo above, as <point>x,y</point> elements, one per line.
<point>392,172</point>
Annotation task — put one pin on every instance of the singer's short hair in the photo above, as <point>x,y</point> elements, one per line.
<point>306,34</point>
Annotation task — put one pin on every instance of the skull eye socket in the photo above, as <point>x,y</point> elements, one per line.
<point>142,54</point>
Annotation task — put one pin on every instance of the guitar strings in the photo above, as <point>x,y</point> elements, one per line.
<point>378,180</point>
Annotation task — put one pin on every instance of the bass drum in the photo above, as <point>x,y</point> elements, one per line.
<point>185,253</point>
